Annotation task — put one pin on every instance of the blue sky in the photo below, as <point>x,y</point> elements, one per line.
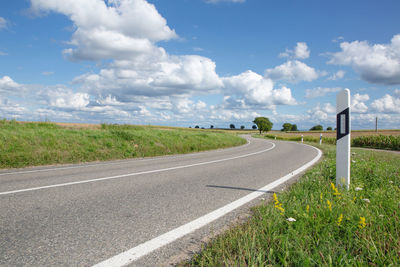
<point>199,62</point>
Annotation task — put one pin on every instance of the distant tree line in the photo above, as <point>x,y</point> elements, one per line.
<point>263,124</point>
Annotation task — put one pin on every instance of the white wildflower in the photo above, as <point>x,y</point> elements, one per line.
<point>391,182</point>
<point>366,200</point>
<point>358,189</point>
<point>290,219</point>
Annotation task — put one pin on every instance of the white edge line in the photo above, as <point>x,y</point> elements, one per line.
<point>145,248</point>
<point>134,174</point>
<point>123,161</point>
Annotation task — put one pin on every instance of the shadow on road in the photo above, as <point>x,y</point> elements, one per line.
<point>239,188</point>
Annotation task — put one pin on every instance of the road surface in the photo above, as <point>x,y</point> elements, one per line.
<point>137,212</point>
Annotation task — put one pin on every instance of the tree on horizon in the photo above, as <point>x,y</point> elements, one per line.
<point>263,124</point>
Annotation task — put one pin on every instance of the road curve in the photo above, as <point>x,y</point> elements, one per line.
<point>87,214</point>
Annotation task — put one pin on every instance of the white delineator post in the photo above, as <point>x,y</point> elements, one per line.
<point>343,130</point>
<point>302,138</point>
<point>320,139</point>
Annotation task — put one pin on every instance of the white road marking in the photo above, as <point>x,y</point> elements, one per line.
<point>121,162</point>
<point>145,248</point>
<point>134,174</point>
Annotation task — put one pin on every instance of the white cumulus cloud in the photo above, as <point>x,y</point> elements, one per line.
<point>67,99</point>
<point>140,82</point>
<point>324,113</point>
<point>388,103</point>
<point>320,91</point>
<point>8,85</point>
<point>377,63</point>
<point>126,31</point>
<point>253,89</point>
<point>301,51</point>
<point>357,103</point>
<point>172,75</point>
<point>292,71</point>
<point>10,109</point>
<point>336,76</point>
<point>3,23</point>
<point>123,28</point>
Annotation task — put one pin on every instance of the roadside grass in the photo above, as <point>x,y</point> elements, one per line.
<point>332,227</point>
<point>43,143</point>
<point>328,140</point>
<point>388,142</point>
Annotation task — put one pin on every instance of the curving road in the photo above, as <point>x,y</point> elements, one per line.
<point>138,212</point>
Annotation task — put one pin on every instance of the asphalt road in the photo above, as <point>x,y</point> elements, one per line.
<point>81,215</point>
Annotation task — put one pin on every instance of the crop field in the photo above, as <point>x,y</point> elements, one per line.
<point>388,141</point>
<point>333,133</point>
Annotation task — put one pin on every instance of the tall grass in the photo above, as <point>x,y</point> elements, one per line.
<point>317,224</point>
<point>389,142</point>
<point>327,140</point>
<point>378,141</point>
<point>30,144</point>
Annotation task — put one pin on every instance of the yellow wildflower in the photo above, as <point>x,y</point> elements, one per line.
<point>320,197</point>
<point>329,204</point>
<point>280,208</point>
<point>333,187</point>
<point>308,208</point>
<point>335,190</point>
<point>362,223</point>
<point>339,221</point>
<point>276,199</point>
<point>278,205</point>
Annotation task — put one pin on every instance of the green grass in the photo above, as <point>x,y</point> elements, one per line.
<point>319,237</point>
<point>328,140</point>
<point>377,141</point>
<point>388,142</point>
<point>32,144</point>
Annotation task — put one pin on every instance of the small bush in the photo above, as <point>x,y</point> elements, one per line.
<point>317,128</point>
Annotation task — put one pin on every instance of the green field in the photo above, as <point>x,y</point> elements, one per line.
<point>381,141</point>
<point>32,144</point>
<point>359,227</point>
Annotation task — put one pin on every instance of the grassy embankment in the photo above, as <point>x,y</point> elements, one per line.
<point>359,227</point>
<point>31,144</point>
